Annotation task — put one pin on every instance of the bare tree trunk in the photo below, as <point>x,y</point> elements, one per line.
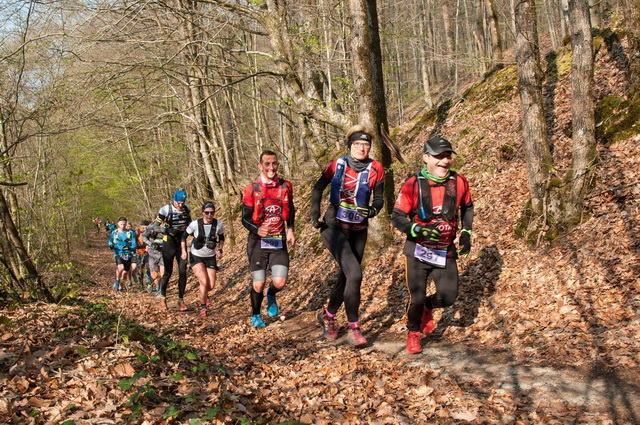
<point>32,278</point>
<point>585,152</point>
<point>632,27</point>
<point>496,38</point>
<point>534,128</point>
<point>552,30</point>
<point>449,39</point>
<point>595,12</point>
<point>372,112</point>
<point>424,66</point>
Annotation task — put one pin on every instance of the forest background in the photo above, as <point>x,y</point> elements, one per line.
<point>106,108</point>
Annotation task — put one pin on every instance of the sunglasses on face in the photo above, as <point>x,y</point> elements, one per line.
<point>208,212</point>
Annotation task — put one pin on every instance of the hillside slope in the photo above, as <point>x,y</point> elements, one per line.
<point>538,335</point>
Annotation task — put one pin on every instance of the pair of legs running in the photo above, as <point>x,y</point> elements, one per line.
<point>259,261</point>
<point>347,248</point>
<point>171,250</point>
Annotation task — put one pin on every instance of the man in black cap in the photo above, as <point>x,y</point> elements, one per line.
<point>426,209</point>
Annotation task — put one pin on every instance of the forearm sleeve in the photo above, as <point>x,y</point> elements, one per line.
<point>247,213</point>
<point>378,196</point>
<point>466,212</point>
<point>316,196</point>
<point>292,215</point>
<point>400,221</point>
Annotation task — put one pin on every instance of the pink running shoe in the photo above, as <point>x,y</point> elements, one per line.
<point>355,338</point>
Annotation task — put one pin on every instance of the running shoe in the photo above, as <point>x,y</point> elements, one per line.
<point>149,289</point>
<point>203,312</point>
<point>414,343</point>
<point>116,286</point>
<point>163,303</point>
<point>256,320</point>
<point>272,305</point>
<point>328,325</point>
<point>355,338</point>
<point>427,324</point>
<point>181,306</point>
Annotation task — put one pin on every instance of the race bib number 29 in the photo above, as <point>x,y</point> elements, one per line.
<point>435,257</point>
<point>271,242</point>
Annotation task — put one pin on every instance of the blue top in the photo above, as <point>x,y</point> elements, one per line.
<point>123,243</point>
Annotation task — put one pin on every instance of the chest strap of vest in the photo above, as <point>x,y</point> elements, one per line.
<point>362,186</point>
<point>425,209</point>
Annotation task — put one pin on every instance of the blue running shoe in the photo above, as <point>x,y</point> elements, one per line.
<point>256,320</point>
<point>272,305</point>
<point>116,286</point>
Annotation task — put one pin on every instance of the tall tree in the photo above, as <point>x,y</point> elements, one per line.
<point>632,28</point>
<point>580,177</point>
<point>534,128</point>
<point>372,109</point>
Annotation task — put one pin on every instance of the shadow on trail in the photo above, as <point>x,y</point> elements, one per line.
<point>477,283</point>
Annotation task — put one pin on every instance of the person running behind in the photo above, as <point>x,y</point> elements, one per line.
<point>153,236</point>
<point>268,214</point>
<point>141,258</point>
<point>353,179</point>
<point>96,223</point>
<point>426,209</point>
<point>175,217</point>
<point>122,242</point>
<point>206,248</point>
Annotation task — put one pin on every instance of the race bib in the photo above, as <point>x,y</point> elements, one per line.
<point>435,257</point>
<point>125,257</point>
<point>271,242</point>
<point>348,215</point>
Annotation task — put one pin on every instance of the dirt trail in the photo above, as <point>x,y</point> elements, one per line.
<point>446,383</point>
<point>599,396</point>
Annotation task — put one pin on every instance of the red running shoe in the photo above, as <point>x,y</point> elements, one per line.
<point>414,343</point>
<point>427,324</point>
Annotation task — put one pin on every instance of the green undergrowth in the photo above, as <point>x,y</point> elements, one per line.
<point>153,353</point>
<point>617,118</point>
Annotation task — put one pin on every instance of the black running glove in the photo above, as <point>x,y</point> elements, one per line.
<point>430,233</point>
<point>465,243</point>
<point>366,211</point>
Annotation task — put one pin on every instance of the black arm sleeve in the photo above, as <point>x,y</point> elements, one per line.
<point>378,196</point>
<point>292,214</point>
<point>247,213</point>
<point>316,196</point>
<point>184,237</point>
<point>400,221</point>
<point>466,212</point>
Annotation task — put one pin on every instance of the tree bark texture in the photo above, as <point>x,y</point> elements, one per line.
<point>582,106</point>
<point>632,27</point>
<point>534,128</point>
<point>494,28</point>
<point>32,277</point>
<point>369,88</point>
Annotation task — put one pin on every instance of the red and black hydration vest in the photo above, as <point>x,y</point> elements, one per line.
<point>264,204</point>
<point>424,210</point>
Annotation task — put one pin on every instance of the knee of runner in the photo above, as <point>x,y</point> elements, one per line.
<point>446,299</point>
<point>418,299</point>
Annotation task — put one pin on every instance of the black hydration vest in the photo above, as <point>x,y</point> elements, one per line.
<point>200,241</point>
<point>425,208</point>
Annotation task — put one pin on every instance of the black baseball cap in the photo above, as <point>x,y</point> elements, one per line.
<point>437,145</point>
